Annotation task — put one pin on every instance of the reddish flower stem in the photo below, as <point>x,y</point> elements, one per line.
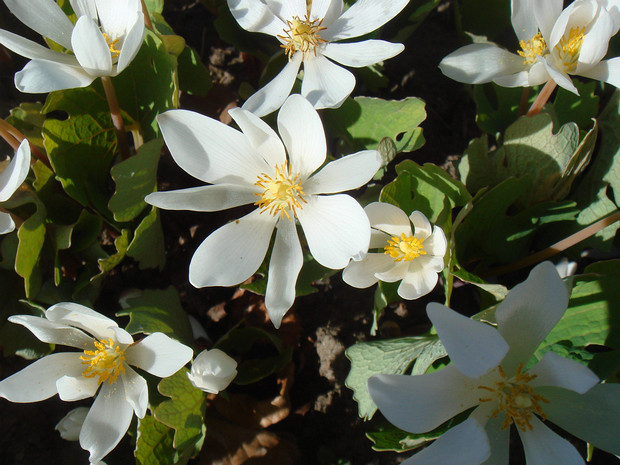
<point>13,137</point>
<point>147,17</point>
<point>542,98</point>
<point>117,118</point>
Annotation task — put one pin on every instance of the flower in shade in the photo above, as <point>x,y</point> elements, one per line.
<point>415,257</point>
<point>70,425</point>
<point>212,371</point>
<point>103,364</point>
<point>310,33</point>
<point>11,178</point>
<point>251,166</point>
<point>104,40</point>
<point>489,374</point>
<point>554,44</point>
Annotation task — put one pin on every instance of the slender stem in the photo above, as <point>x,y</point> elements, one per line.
<point>558,246</point>
<point>525,96</point>
<point>117,118</point>
<point>13,137</point>
<point>542,98</point>
<point>147,17</point>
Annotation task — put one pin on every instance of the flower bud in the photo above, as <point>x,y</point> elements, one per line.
<point>71,424</point>
<point>212,371</point>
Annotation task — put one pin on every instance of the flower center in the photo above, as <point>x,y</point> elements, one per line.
<point>516,398</point>
<point>533,48</point>
<point>569,47</point>
<point>107,362</point>
<point>302,35</point>
<point>112,46</point>
<point>405,248</point>
<point>281,193</point>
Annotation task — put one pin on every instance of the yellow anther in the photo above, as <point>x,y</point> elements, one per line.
<point>569,47</point>
<point>107,362</point>
<point>281,194</point>
<point>112,46</point>
<point>533,48</point>
<point>302,35</point>
<point>405,248</point>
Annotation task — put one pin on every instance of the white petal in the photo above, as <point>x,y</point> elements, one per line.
<point>45,17</point>
<point>418,281</point>
<point>115,18</point>
<point>284,266</point>
<point>325,84</point>
<point>72,388</point>
<point>212,371</point>
<point>233,253</point>
<point>364,53</point>
<point>204,198</point>
<point>136,391</point>
<point>90,47</point>
<point>6,223</point>
<point>388,218</point>
<point>362,17</point>
<point>302,132</point>
<point>378,239</point>
<point>542,446</point>
<point>593,417</point>
<point>44,76</point>
<point>361,274</point>
<point>538,74</point>
<point>474,347</point>
<point>107,421</point>
<point>546,14</point>
<point>554,370</point>
<point>82,317</point>
<point>263,139</point>
<point>499,437</point>
<point>346,173</point>
<point>208,149</point>
<point>54,333</point>
<point>395,273</point>
<point>84,8</point>
<point>576,14</point>
<point>437,244</point>
<point>131,44</point>
<point>595,42</point>
<point>421,226</point>
<point>38,380</point>
<point>328,10</point>
<point>15,173</point>
<point>480,63</point>
<point>255,16</point>
<point>286,9</point>
<point>529,312</point>
<point>32,50</point>
<point>522,18</point>
<point>336,229</point>
<point>71,424</point>
<point>271,97</point>
<point>423,402</point>
<point>606,71</point>
<point>520,79</point>
<point>159,355</point>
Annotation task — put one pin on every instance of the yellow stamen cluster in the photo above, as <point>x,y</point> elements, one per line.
<point>569,47</point>
<point>405,248</point>
<point>281,194</point>
<point>302,35</point>
<point>107,362</point>
<point>516,398</point>
<point>112,46</point>
<point>533,48</point>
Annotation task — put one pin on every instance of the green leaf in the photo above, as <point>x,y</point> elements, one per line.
<point>135,178</point>
<point>184,412</point>
<point>363,121</point>
<point>147,246</point>
<point>498,291</point>
<point>154,442</point>
<point>485,17</point>
<point>380,357</point>
<point>31,236</point>
<point>121,243</point>
<point>158,311</point>
<point>194,76</point>
<point>580,108</point>
<point>28,119</point>
<point>61,209</point>
<point>497,107</point>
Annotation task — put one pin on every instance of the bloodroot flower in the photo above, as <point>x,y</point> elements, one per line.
<point>413,257</point>
<point>212,371</point>
<point>489,373</point>
<point>11,178</point>
<point>104,365</point>
<point>252,167</point>
<point>309,32</point>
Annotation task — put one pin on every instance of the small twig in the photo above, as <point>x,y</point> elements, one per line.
<point>117,118</point>
<point>147,17</point>
<point>557,247</point>
<point>14,138</point>
<point>542,98</point>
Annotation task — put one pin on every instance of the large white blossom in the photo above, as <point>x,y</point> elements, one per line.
<point>102,364</point>
<point>104,40</point>
<point>251,166</point>
<point>489,372</point>
<point>11,178</point>
<point>413,257</point>
<point>310,33</point>
<point>555,44</point>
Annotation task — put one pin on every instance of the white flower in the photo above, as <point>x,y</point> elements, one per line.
<point>554,43</point>
<point>71,424</point>
<point>104,363</point>
<point>104,40</point>
<point>212,371</point>
<point>11,178</point>
<point>488,372</point>
<point>413,257</point>
<point>252,167</point>
<point>310,34</point>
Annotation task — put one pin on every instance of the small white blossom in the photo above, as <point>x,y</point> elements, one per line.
<point>489,373</point>
<point>71,424</point>
<point>555,44</point>
<point>310,33</point>
<point>104,40</point>
<point>413,257</point>
<point>11,178</point>
<point>103,364</point>
<point>251,166</point>
<point>212,371</point>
